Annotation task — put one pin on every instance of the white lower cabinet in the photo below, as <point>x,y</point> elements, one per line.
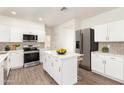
<point>114,68</point>
<point>97,63</point>
<point>63,71</point>
<point>1,73</point>
<point>17,59</point>
<point>8,64</point>
<point>57,69</point>
<point>108,65</point>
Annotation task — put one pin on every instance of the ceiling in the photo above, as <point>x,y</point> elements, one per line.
<point>52,16</point>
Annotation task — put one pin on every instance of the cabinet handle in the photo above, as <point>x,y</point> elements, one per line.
<point>52,64</point>
<point>104,62</point>
<point>113,58</point>
<point>59,69</point>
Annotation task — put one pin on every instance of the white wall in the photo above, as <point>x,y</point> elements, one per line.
<point>110,16</point>
<point>49,31</point>
<point>63,36</point>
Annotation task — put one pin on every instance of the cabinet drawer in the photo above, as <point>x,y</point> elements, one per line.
<point>115,58</point>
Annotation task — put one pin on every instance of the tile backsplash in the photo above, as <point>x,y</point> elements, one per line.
<point>114,47</point>
<point>36,44</point>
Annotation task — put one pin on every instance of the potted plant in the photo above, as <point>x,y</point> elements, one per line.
<point>7,48</point>
<point>105,49</point>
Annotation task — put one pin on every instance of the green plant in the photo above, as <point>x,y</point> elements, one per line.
<point>7,48</point>
<point>17,45</point>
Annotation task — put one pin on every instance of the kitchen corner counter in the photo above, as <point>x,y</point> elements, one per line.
<point>3,55</point>
<point>109,54</point>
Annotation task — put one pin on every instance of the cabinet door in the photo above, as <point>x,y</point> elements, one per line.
<point>41,35</point>
<point>1,74</point>
<point>4,33</point>
<point>116,31</point>
<point>45,62</point>
<point>8,65</point>
<point>114,68</point>
<point>18,62</point>
<point>57,71</point>
<point>97,63</point>
<point>50,65</point>
<point>41,56</point>
<point>16,34</point>
<point>101,33</point>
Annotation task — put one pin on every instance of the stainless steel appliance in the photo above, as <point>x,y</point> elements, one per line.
<point>31,56</point>
<point>29,38</point>
<point>85,44</point>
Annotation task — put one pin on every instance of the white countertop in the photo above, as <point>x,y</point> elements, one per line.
<point>109,54</point>
<point>67,55</point>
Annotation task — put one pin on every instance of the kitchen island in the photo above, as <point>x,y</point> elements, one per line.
<point>62,68</point>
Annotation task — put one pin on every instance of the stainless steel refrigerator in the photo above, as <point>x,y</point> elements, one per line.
<point>85,44</point>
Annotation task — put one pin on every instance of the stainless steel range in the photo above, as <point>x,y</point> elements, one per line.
<point>31,56</point>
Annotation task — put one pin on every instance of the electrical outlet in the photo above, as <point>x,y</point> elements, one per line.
<point>108,46</point>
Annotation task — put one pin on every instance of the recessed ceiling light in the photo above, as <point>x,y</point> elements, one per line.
<point>40,19</point>
<point>13,12</point>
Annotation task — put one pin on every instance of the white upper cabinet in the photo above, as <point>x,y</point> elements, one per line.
<point>4,33</point>
<point>111,32</point>
<point>41,34</point>
<point>116,31</point>
<point>101,33</point>
<point>16,34</point>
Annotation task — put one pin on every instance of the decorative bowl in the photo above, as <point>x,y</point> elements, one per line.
<point>61,51</point>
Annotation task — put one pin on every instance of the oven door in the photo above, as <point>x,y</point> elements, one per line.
<point>31,57</point>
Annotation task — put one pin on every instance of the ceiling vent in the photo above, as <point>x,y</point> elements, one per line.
<point>63,9</point>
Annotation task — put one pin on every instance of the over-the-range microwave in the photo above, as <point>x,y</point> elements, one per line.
<point>29,38</point>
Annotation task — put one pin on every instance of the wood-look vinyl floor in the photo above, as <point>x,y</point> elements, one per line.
<point>37,76</point>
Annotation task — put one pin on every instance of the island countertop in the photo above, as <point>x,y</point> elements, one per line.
<point>64,56</point>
